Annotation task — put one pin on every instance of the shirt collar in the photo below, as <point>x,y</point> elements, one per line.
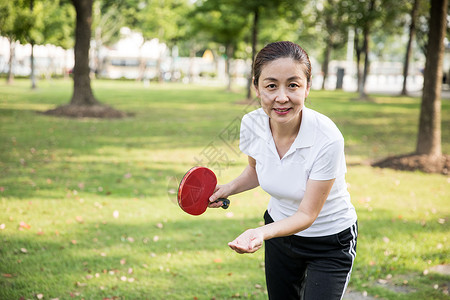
<point>305,136</point>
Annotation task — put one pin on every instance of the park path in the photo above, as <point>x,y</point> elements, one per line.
<point>355,295</point>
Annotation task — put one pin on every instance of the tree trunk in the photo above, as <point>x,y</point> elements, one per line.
<point>191,64</point>
<point>358,62</point>
<point>254,42</point>
<point>12,52</point>
<point>32,75</point>
<point>362,90</point>
<point>326,61</point>
<point>429,137</point>
<point>366,37</point>
<point>82,91</point>
<point>229,54</point>
<point>412,32</point>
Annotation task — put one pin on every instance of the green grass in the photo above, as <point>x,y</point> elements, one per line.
<point>68,179</point>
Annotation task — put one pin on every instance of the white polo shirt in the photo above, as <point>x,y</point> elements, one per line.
<point>317,153</point>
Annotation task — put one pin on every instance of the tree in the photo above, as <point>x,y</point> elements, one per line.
<point>330,16</point>
<point>429,137</point>
<point>82,91</point>
<point>428,155</point>
<point>83,103</point>
<point>15,24</point>
<point>259,10</point>
<point>106,27</point>
<point>164,20</point>
<point>58,27</point>
<point>369,17</point>
<point>224,24</point>
<point>412,33</point>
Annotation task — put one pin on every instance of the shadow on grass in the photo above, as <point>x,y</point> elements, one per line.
<point>189,254</point>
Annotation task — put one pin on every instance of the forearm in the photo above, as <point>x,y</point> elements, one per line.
<point>289,226</point>
<point>308,211</point>
<point>246,181</point>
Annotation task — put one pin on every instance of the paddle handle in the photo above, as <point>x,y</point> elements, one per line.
<point>225,202</point>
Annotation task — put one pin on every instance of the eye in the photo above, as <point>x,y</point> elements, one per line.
<point>271,86</point>
<point>293,85</point>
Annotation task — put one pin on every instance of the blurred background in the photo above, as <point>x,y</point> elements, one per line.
<point>366,46</point>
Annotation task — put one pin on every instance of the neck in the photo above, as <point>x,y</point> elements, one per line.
<point>286,130</point>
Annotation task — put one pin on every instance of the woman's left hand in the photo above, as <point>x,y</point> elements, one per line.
<point>248,242</point>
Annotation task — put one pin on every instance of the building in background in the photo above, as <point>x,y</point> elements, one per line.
<point>132,57</point>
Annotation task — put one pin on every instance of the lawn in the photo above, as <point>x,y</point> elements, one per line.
<point>88,211</point>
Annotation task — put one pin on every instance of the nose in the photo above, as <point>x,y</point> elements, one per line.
<point>281,96</point>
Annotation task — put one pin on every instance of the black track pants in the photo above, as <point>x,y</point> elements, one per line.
<point>309,268</point>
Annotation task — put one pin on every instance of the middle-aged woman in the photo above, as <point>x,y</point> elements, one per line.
<point>297,156</point>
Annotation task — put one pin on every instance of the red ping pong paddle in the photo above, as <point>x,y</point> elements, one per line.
<point>195,188</point>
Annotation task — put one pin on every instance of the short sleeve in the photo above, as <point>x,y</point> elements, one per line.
<point>246,134</point>
<point>330,161</point>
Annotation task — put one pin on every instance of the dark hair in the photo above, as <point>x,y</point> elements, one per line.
<point>277,50</point>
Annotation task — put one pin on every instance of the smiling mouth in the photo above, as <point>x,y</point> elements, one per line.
<point>282,109</point>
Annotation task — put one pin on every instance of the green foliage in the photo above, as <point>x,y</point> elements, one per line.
<point>58,18</point>
<point>17,20</point>
<point>87,208</point>
<point>164,20</point>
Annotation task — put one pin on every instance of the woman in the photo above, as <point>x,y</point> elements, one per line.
<point>297,156</point>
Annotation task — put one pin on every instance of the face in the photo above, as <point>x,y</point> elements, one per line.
<point>282,88</point>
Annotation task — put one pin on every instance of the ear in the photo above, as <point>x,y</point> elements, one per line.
<point>307,91</point>
<point>255,87</point>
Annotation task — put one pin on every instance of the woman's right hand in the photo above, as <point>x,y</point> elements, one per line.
<point>221,191</point>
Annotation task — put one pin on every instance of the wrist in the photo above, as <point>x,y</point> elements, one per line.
<point>265,232</point>
<point>231,187</point>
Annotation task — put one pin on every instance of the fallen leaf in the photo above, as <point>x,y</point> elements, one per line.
<point>160,225</point>
<point>7,275</point>
<point>74,242</point>
<point>229,214</point>
<point>79,219</point>
<point>24,225</point>
<point>116,214</point>
<point>23,250</point>
<point>39,296</point>
<point>156,238</point>
<point>2,226</point>
<point>123,261</point>
<point>218,260</point>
